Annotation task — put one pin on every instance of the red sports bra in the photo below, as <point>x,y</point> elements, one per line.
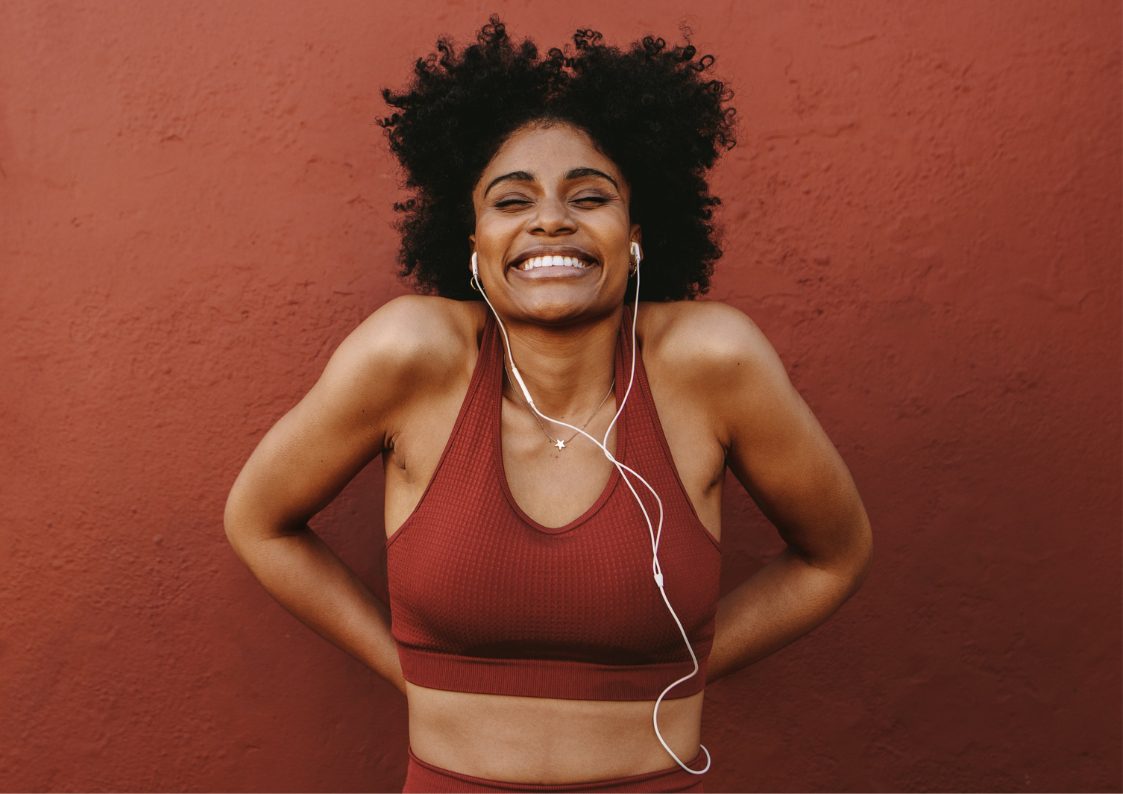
<point>485,599</point>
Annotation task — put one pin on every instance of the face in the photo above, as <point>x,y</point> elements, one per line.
<point>548,192</point>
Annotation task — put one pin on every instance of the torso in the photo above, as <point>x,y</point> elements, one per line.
<point>545,739</point>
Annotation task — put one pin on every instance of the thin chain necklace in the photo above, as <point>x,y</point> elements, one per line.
<point>559,442</point>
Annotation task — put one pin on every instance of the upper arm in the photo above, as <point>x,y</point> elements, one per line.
<point>781,455</point>
<point>339,426</point>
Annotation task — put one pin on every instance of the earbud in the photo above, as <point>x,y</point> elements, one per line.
<point>474,281</point>
<point>637,252</point>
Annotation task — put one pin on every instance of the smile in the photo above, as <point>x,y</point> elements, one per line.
<point>536,262</point>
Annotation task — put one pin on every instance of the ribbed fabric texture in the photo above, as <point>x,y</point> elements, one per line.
<point>484,599</point>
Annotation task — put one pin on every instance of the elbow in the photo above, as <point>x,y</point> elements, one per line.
<point>230,526</point>
<point>852,565</point>
<point>235,524</point>
<point>247,526</point>
<point>851,571</point>
<point>848,557</point>
<point>862,558</point>
<point>864,566</point>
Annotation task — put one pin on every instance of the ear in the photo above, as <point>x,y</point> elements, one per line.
<point>636,233</point>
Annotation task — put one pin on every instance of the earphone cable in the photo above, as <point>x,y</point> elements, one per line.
<point>656,535</point>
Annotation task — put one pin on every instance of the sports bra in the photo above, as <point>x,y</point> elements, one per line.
<point>485,599</point>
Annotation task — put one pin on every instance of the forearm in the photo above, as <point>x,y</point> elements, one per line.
<point>781,602</point>
<point>307,578</point>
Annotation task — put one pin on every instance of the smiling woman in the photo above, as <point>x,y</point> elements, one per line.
<point>555,425</point>
<point>653,111</point>
<point>579,200</point>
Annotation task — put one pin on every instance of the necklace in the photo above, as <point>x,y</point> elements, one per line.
<point>559,442</point>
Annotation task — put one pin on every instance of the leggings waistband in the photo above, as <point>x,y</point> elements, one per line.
<point>423,776</point>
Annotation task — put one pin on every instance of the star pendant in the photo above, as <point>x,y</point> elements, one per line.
<point>559,444</point>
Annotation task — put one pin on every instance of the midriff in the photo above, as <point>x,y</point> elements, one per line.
<point>547,740</point>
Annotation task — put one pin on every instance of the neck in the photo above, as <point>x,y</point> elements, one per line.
<point>567,370</point>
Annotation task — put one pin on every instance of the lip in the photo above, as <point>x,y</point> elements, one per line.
<point>552,250</point>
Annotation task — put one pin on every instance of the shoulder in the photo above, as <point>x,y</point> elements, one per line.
<point>409,348</point>
<point>415,334</point>
<point>704,338</point>
<point>718,357</point>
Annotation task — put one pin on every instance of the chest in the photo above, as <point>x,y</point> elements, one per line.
<point>554,486</point>
<point>518,550</point>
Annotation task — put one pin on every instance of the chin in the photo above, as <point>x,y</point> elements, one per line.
<point>567,312</point>
<point>562,301</point>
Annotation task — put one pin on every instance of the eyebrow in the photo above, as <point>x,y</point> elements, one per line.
<point>573,173</point>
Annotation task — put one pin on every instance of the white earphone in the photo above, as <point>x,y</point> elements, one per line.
<point>656,530</point>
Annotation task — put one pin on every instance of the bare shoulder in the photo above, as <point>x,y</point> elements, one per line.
<point>714,355</point>
<point>398,354</point>
<point>409,349</point>
<point>417,333</point>
<point>706,339</point>
<point>774,444</point>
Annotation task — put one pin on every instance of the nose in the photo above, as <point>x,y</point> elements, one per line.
<point>552,216</point>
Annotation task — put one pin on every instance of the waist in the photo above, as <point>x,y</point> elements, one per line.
<point>506,737</point>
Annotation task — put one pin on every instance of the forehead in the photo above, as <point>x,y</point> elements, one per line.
<point>547,150</point>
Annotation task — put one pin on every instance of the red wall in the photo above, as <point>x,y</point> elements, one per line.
<point>923,214</point>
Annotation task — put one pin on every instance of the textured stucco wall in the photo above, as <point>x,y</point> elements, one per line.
<point>923,214</point>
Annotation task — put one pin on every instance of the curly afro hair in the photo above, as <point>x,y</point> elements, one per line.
<point>649,109</point>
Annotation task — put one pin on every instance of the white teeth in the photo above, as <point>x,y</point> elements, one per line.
<point>552,261</point>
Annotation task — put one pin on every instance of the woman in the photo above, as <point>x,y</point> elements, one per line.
<point>553,497</point>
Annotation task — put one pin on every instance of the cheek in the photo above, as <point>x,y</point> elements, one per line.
<point>495,227</point>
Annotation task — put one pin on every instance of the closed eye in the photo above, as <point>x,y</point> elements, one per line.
<point>593,201</point>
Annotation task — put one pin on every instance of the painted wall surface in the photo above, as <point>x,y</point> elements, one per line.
<point>922,213</point>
